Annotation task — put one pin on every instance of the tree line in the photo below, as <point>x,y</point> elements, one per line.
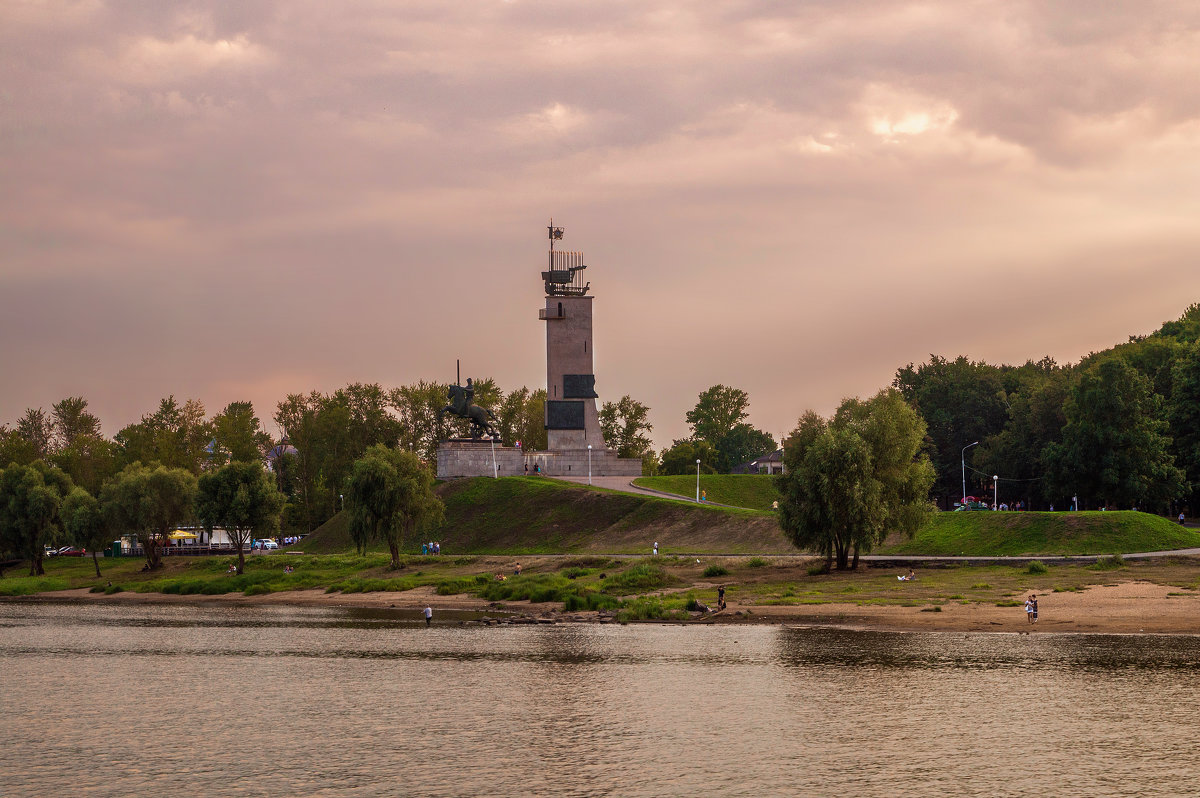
<point>1121,428</point>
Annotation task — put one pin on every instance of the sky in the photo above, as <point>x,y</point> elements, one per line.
<point>232,201</point>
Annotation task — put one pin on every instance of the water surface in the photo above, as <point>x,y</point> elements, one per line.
<point>101,700</point>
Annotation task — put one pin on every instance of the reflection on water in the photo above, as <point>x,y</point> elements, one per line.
<point>121,700</point>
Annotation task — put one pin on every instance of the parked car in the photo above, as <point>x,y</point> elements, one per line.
<point>268,545</point>
<point>71,551</point>
<point>49,552</point>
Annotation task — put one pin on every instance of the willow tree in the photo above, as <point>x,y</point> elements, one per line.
<point>390,496</point>
<point>149,502</point>
<point>851,480</point>
<point>84,523</point>
<point>240,498</point>
<point>30,499</point>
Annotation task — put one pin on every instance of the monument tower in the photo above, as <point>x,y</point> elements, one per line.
<point>572,421</point>
<point>575,446</point>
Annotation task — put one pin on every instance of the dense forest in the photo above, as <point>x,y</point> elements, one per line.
<point>1120,428</point>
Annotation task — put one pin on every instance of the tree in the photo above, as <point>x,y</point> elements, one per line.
<point>14,448</point>
<point>30,502</point>
<point>742,444</point>
<point>682,456</point>
<point>1114,446</point>
<point>961,402</point>
<point>84,523</point>
<point>238,435</point>
<point>150,502</point>
<point>174,436</point>
<point>855,478</point>
<point>1184,416</point>
<point>624,425</point>
<point>89,460</point>
<point>71,420</point>
<point>36,428</point>
<point>242,499</point>
<point>521,418</point>
<point>390,496</point>
<point>717,411</point>
<point>719,417</point>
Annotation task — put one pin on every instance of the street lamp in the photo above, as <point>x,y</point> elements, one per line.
<point>697,480</point>
<point>342,499</point>
<point>995,492</point>
<point>964,472</point>
<point>589,464</point>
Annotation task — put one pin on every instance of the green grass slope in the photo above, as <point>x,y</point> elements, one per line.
<point>988,534</point>
<point>538,515</point>
<point>754,491</point>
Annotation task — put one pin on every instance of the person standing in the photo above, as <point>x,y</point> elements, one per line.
<point>656,548</point>
<point>1029,610</point>
<point>1034,599</point>
<point>720,597</point>
<point>428,615</point>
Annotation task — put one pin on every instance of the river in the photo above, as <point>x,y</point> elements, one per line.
<point>105,699</point>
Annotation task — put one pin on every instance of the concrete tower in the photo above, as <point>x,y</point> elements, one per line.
<point>572,420</point>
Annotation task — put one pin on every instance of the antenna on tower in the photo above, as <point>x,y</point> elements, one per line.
<point>564,276</point>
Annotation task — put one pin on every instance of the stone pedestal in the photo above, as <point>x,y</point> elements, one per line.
<point>465,457</point>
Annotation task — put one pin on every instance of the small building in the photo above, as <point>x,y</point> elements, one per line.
<point>770,463</point>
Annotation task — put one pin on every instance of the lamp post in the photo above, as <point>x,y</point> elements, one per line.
<point>995,492</point>
<point>697,480</point>
<point>342,499</point>
<point>589,464</point>
<point>964,473</point>
<point>495,468</point>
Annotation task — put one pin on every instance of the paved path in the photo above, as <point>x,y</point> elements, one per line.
<point>625,485</point>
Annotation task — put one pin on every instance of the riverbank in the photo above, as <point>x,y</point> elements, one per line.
<point>1121,607</point>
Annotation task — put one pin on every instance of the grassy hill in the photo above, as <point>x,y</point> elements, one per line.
<point>538,515</point>
<point>755,491</point>
<point>998,534</point>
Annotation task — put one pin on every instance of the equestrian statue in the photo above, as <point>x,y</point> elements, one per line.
<point>460,405</point>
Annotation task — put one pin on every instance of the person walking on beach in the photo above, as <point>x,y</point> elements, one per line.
<point>1034,600</point>
<point>720,597</point>
<point>1029,610</point>
<point>428,615</point>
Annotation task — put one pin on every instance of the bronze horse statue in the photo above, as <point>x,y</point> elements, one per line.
<point>460,405</point>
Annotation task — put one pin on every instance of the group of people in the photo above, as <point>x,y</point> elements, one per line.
<point>432,547</point>
<point>911,575</point>
<point>288,569</point>
<point>1031,612</point>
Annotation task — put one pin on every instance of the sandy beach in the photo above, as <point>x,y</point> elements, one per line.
<point>1128,607</point>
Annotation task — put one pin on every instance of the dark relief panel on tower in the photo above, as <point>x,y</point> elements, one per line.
<point>579,386</point>
<point>564,415</point>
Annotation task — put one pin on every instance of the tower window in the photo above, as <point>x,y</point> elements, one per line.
<point>560,310</point>
<point>585,346</point>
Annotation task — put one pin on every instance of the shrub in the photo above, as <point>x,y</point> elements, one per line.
<point>818,570</point>
<point>588,600</point>
<point>935,608</point>
<point>638,579</point>
<point>981,586</point>
<point>651,608</point>
<point>716,570</point>
<point>108,591</point>
<point>756,562</point>
<point>1108,563</point>
<point>257,590</point>
<point>1037,567</point>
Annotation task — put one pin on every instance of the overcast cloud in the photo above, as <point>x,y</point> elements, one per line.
<point>235,201</point>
